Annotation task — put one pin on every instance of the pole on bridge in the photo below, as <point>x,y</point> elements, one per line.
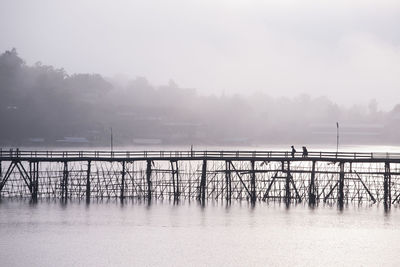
<point>228,180</point>
<point>312,189</point>
<point>387,194</point>
<point>202,192</point>
<point>337,138</point>
<point>253,183</point>
<point>88,182</point>
<point>148,177</point>
<point>341,185</point>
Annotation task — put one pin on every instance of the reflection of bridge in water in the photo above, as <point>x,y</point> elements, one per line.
<point>221,175</point>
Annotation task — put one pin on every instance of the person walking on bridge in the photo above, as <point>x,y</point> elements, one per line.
<point>305,152</point>
<point>293,151</point>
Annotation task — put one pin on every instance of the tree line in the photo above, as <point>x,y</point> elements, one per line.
<point>43,105</point>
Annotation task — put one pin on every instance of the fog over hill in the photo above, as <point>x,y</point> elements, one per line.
<point>44,105</point>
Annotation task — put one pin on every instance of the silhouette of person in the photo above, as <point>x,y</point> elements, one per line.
<point>305,152</point>
<point>293,151</point>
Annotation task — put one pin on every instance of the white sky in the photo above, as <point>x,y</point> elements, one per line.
<point>346,50</point>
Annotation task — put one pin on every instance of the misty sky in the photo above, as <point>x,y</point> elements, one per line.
<point>346,50</point>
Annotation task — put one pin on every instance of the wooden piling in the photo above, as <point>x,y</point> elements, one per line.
<point>387,194</point>
<point>30,175</point>
<point>64,182</point>
<point>202,191</point>
<point>177,191</point>
<point>32,178</point>
<point>253,183</point>
<point>228,181</point>
<point>122,181</point>
<point>287,183</point>
<point>173,179</point>
<point>312,189</point>
<point>148,178</point>
<point>35,181</point>
<point>88,181</point>
<point>341,185</point>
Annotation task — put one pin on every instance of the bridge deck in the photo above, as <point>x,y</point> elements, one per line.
<point>240,155</point>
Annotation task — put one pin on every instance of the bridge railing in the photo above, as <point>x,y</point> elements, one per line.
<point>54,154</point>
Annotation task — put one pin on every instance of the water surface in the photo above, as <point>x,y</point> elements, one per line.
<point>163,234</point>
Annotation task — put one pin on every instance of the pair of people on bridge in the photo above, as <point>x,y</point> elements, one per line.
<point>305,152</point>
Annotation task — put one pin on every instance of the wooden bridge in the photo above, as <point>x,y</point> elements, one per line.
<point>220,175</point>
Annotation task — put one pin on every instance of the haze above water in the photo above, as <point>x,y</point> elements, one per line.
<point>42,105</point>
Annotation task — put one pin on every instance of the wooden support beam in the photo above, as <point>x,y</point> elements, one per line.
<point>35,181</point>
<point>365,187</point>
<point>88,181</point>
<point>330,192</point>
<point>387,194</point>
<point>253,183</point>
<point>173,179</point>
<point>7,175</point>
<point>266,194</point>
<point>25,176</point>
<point>397,198</point>
<point>312,189</point>
<point>122,181</point>
<point>30,169</point>
<point>298,197</point>
<point>177,191</point>
<point>241,180</point>
<point>202,191</point>
<point>228,181</point>
<point>341,185</point>
<point>287,184</point>
<point>148,178</point>
<point>64,182</point>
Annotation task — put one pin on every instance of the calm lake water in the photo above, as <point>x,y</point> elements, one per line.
<point>163,234</point>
